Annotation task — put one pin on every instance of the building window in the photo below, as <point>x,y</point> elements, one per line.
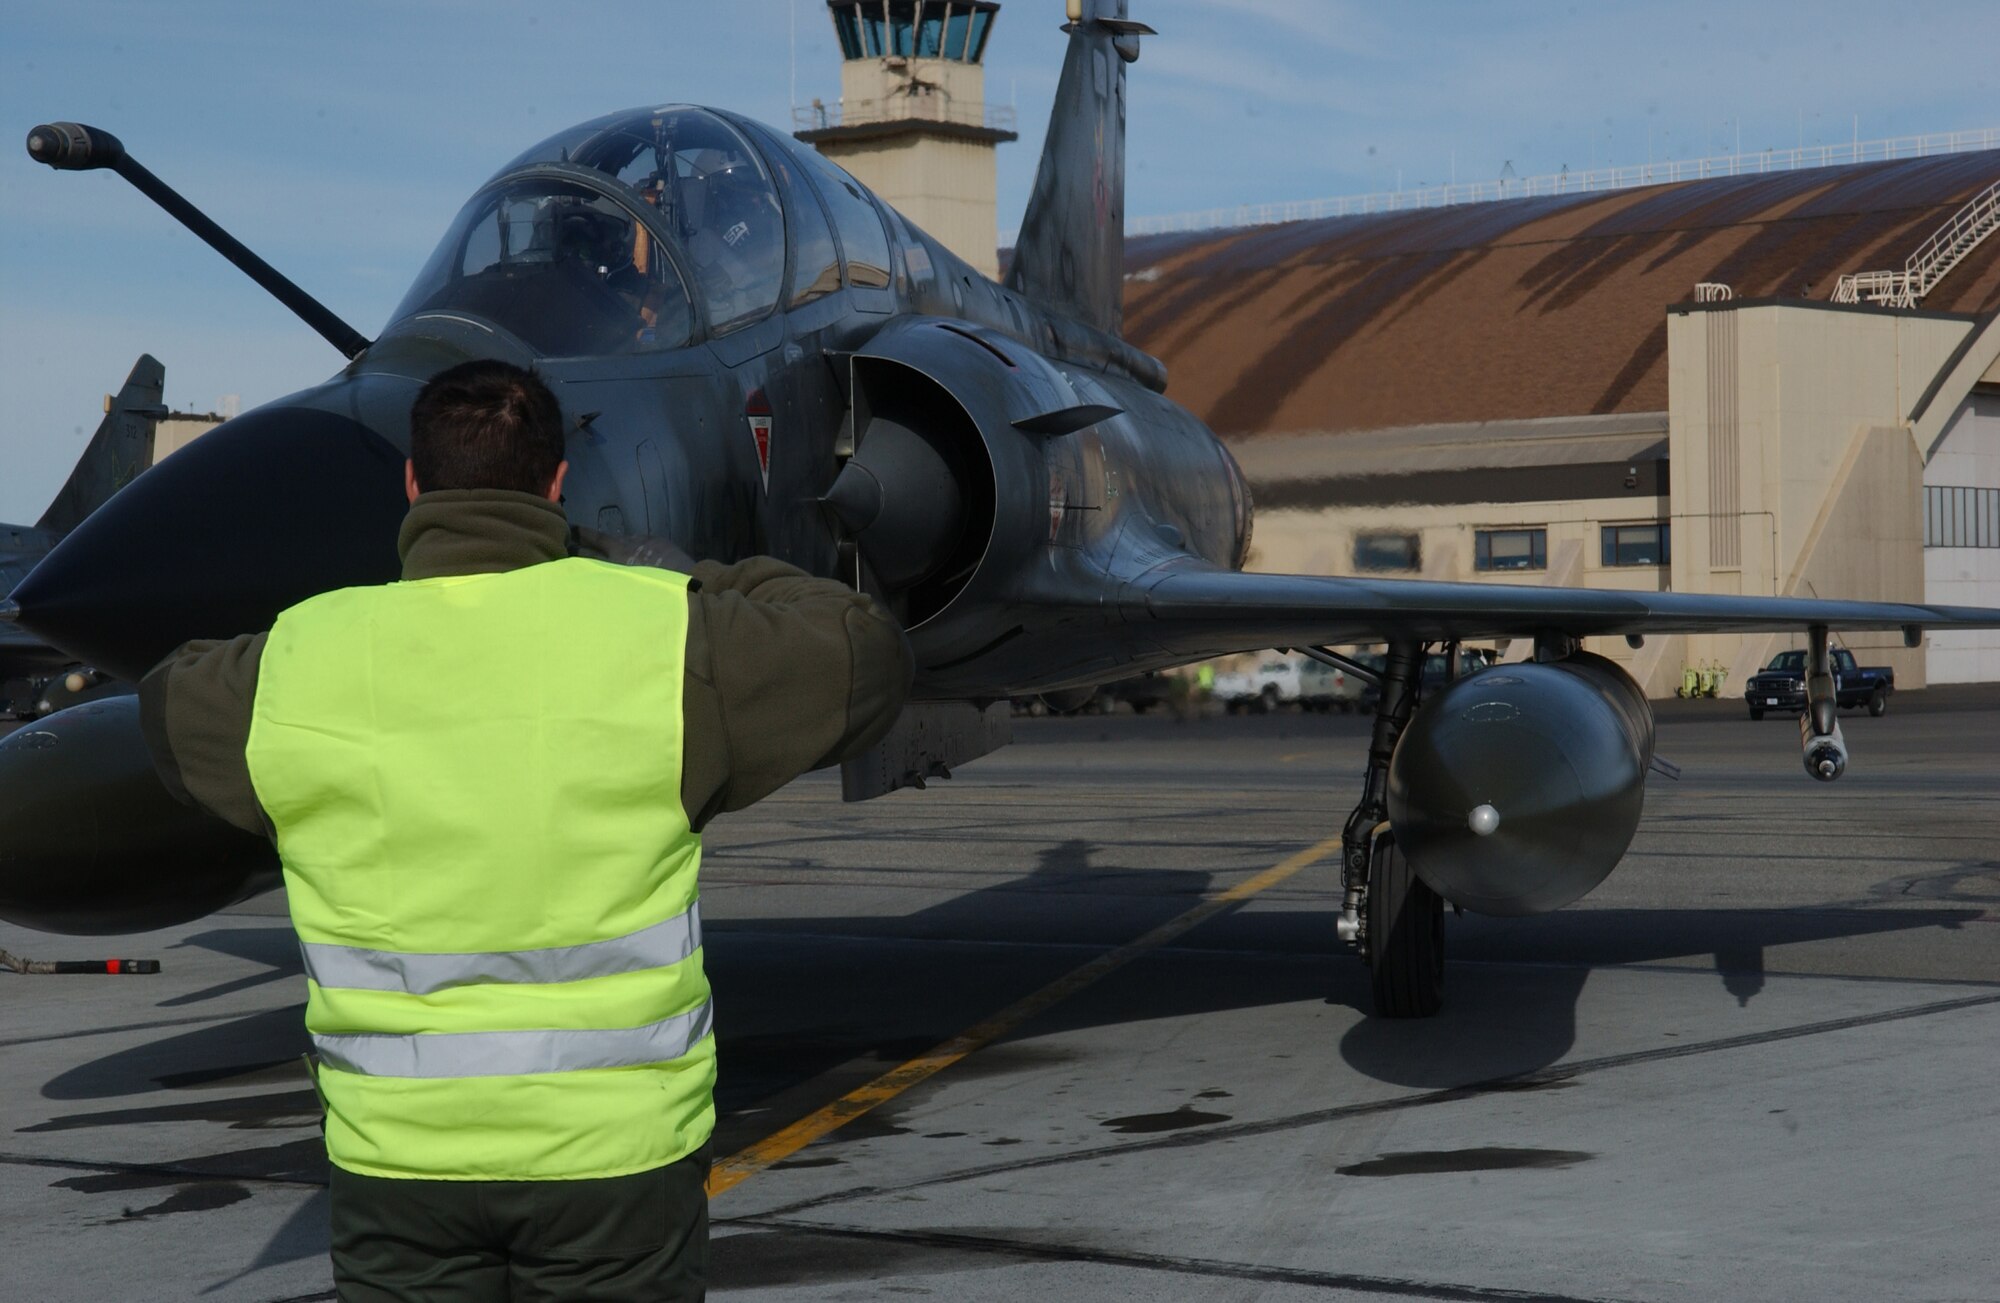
<point>1961,517</point>
<point>847,25</point>
<point>975,50</point>
<point>1387,552</point>
<point>1510,549</point>
<point>1637,545</point>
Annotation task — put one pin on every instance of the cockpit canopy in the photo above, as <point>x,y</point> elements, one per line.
<point>586,244</point>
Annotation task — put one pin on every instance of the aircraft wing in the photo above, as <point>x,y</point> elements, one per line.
<point>1198,606</point>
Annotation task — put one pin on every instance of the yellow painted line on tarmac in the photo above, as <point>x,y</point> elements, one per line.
<point>1287,758</point>
<point>739,1167</point>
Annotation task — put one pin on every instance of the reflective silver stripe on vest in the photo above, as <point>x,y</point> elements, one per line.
<point>511,1054</point>
<point>355,969</point>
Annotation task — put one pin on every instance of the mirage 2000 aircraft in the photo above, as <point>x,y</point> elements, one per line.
<point>754,354</point>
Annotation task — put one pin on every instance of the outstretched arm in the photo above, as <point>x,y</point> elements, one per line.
<point>195,708</point>
<point>785,673</point>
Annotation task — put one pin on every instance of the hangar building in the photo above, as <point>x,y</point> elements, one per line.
<point>1650,388</point>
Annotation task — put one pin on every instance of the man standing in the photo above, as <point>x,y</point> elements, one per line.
<point>487,785</point>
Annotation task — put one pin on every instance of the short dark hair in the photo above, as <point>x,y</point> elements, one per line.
<point>486,425</point>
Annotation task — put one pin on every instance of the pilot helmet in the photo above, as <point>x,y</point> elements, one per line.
<point>593,237</point>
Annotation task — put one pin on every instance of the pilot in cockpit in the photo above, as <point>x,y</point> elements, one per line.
<point>595,241</point>
<point>576,268</point>
<point>618,254</point>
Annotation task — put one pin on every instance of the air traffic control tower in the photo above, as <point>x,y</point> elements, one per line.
<point>912,122</point>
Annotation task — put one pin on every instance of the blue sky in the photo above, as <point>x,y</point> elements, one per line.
<point>337,139</point>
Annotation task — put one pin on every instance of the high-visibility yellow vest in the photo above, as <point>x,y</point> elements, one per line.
<point>475,783</point>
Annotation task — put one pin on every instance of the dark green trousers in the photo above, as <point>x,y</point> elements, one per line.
<point>640,1238</point>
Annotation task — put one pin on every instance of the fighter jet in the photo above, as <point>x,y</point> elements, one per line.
<point>754,354</point>
<point>32,672</point>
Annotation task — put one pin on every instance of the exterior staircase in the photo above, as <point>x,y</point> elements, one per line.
<point>1932,261</point>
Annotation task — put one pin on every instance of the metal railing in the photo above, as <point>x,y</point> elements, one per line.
<point>902,108</point>
<point>1569,183</point>
<point>1932,261</point>
<point>1712,292</point>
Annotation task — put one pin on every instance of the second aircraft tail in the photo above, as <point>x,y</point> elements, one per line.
<point>121,448</point>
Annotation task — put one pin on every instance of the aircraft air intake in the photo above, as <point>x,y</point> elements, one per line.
<point>1517,790</point>
<point>921,494</point>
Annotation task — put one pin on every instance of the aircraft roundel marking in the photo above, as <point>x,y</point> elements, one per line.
<point>757,411</point>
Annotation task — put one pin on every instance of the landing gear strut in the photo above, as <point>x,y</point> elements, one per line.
<point>1388,915</point>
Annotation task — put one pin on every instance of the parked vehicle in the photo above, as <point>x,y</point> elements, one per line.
<point>1274,682</point>
<point>1324,688</point>
<point>1781,685</point>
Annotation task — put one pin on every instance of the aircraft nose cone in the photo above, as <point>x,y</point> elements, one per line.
<point>256,515</point>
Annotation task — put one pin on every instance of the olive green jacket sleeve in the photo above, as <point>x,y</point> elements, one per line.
<point>195,709</point>
<point>785,673</point>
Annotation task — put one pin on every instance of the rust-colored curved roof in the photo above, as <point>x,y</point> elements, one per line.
<point>1517,309</point>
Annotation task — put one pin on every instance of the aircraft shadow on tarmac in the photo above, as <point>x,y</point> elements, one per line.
<point>802,997</point>
<point>800,1001</point>
<point>799,996</point>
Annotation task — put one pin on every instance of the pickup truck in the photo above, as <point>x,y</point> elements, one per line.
<point>1279,681</point>
<point>1274,682</point>
<point>1324,688</point>
<point>1781,685</point>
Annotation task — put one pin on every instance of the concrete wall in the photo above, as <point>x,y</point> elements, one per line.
<point>1795,471</point>
<point>956,89</point>
<point>179,431</point>
<point>1967,457</point>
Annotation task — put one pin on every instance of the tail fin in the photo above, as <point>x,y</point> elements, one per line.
<point>121,448</point>
<point>1070,255</point>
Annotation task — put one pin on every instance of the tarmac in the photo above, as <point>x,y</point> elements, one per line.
<point>1125,1057</point>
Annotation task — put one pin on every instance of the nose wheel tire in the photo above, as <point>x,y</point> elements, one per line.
<point>1405,937</point>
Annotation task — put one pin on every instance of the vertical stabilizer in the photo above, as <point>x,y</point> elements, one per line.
<point>121,448</point>
<point>1070,255</point>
